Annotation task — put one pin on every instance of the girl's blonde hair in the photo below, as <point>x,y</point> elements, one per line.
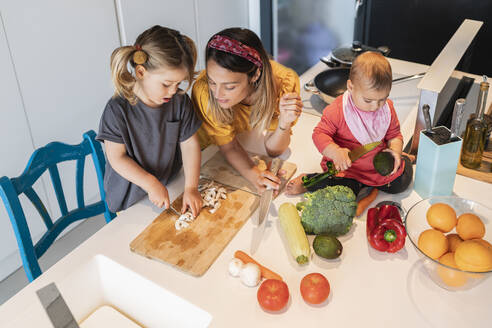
<point>372,69</point>
<point>265,86</point>
<point>162,47</point>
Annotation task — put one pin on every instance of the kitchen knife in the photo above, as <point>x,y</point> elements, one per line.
<point>354,155</point>
<point>174,210</point>
<point>459,109</point>
<point>56,308</point>
<point>227,185</point>
<point>265,201</point>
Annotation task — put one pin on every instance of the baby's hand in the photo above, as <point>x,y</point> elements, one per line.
<point>193,200</point>
<point>158,194</point>
<point>341,159</point>
<point>397,157</point>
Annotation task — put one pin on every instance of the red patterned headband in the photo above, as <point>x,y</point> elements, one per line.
<point>223,43</point>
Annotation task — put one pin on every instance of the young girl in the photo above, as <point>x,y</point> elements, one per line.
<point>362,115</point>
<point>240,90</point>
<point>149,126</point>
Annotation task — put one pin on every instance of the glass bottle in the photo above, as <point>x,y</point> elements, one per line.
<point>475,133</point>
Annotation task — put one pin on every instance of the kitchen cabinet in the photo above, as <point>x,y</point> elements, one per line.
<point>197,19</point>
<point>60,52</point>
<point>15,147</point>
<point>215,16</point>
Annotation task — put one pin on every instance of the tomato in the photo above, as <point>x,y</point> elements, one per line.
<point>315,288</point>
<point>273,295</point>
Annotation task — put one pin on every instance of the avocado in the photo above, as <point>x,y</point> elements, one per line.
<point>384,163</point>
<point>327,247</point>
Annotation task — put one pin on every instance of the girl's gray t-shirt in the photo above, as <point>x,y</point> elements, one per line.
<point>151,137</point>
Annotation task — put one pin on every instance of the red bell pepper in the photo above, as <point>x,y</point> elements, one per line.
<point>385,230</point>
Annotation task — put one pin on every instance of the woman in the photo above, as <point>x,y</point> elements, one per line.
<point>241,90</point>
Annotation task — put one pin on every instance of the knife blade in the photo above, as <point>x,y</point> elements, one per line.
<point>174,210</point>
<point>265,201</point>
<point>360,151</point>
<point>56,308</point>
<point>227,185</point>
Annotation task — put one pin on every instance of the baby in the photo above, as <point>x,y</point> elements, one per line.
<point>362,115</point>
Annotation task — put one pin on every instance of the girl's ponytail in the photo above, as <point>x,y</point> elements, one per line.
<point>123,80</point>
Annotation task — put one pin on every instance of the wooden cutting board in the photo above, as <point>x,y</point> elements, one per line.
<point>194,249</point>
<point>482,173</point>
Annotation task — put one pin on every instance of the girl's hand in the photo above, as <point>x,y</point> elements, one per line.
<point>290,107</point>
<point>397,157</point>
<point>341,159</point>
<point>158,194</point>
<point>192,200</point>
<point>264,179</point>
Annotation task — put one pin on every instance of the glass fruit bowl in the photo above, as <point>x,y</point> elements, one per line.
<point>446,276</point>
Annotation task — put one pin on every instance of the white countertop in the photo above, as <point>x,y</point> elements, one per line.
<point>368,288</point>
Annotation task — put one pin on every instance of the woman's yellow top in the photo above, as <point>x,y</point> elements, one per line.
<point>213,132</point>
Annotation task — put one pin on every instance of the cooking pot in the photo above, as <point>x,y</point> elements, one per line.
<point>344,56</point>
<point>332,83</point>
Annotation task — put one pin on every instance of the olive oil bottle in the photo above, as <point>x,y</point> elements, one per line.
<point>476,132</point>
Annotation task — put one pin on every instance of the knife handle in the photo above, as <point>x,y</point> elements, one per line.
<point>428,124</point>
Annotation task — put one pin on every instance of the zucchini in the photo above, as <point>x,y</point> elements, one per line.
<point>296,237</point>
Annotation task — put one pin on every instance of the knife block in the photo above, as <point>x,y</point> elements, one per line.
<point>437,161</point>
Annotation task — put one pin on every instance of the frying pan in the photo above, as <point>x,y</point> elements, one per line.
<point>331,83</point>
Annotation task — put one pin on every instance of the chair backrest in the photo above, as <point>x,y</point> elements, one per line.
<point>47,158</point>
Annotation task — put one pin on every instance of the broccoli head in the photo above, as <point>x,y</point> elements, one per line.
<point>328,211</point>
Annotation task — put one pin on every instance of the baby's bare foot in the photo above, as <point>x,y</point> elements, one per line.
<point>295,186</point>
<point>410,157</point>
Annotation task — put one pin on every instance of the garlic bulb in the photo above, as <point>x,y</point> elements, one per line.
<point>250,275</point>
<point>235,267</point>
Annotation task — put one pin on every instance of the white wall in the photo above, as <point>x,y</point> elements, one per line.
<point>55,79</point>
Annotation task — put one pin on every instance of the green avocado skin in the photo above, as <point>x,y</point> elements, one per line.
<point>328,247</point>
<point>384,163</point>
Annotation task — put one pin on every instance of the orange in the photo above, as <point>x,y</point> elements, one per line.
<point>470,226</point>
<point>450,277</point>
<point>433,243</point>
<point>473,256</point>
<point>454,240</point>
<point>442,217</point>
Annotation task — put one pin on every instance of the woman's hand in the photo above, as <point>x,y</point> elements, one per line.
<point>158,194</point>
<point>192,200</point>
<point>397,157</point>
<point>264,179</point>
<point>341,159</point>
<point>290,107</point>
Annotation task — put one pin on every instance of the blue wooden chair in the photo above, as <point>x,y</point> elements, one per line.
<point>47,158</point>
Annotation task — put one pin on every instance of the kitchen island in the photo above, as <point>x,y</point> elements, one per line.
<point>368,288</point>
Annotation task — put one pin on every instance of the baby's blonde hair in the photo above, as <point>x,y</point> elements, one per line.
<point>372,69</point>
<point>163,47</point>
